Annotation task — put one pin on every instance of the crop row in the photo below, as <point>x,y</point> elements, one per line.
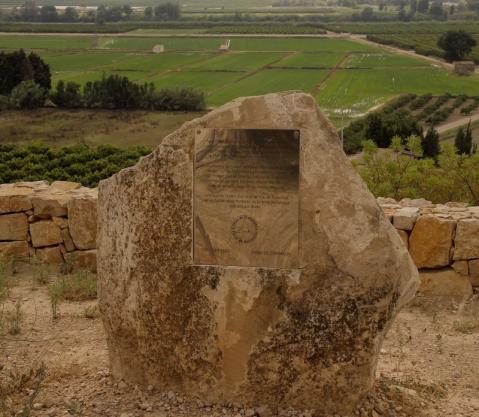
<point>78,163</point>
<point>265,29</point>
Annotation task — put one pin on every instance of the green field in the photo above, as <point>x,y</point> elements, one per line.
<point>346,77</point>
<point>419,36</point>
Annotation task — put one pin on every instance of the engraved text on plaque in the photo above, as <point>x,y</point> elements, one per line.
<point>246,204</point>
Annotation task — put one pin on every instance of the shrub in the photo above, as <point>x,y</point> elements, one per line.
<point>27,95</point>
<point>79,163</point>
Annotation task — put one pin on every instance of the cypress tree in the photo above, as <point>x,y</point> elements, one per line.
<point>430,143</point>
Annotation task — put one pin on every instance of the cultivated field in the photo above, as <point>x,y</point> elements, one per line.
<point>347,78</point>
<point>421,36</point>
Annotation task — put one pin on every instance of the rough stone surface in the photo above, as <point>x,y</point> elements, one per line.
<point>15,249</point>
<point>14,199</point>
<point>13,226</point>
<point>405,218</point>
<point>467,241</point>
<point>431,241</point>
<point>445,282</point>
<point>51,255</point>
<point>474,272</point>
<point>84,259</point>
<point>308,337</point>
<point>45,233</point>
<point>461,267</point>
<point>404,237</point>
<point>65,185</point>
<point>61,222</point>
<point>50,205</point>
<point>67,240</point>
<point>82,222</point>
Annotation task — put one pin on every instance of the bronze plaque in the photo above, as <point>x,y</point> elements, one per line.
<point>245,199</point>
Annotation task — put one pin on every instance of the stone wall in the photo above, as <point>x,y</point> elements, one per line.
<point>443,240</point>
<point>52,223</point>
<point>57,221</point>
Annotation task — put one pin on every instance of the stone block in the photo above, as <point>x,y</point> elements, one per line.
<point>84,259</point>
<point>461,267</point>
<point>50,204</point>
<point>445,283</point>
<point>50,255</point>
<point>13,227</point>
<point>467,241</point>
<point>67,240</point>
<point>405,217</point>
<point>474,272</point>
<point>65,185</point>
<point>430,242</point>
<point>82,222</point>
<point>61,222</point>
<point>14,199</point>
<point>14,249</point>
<point>45,233</point>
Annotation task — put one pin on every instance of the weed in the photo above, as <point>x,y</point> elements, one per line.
<point>67,266</point>
<point>54,293</point>
<point>403,338</point>
<point>439,343</point>
<point>90,312</point>
<point>3,279</point>
<point>18,382</point>
<point>14,319</point>
<point>80,286</point>
<point>40,271</point>
<point>75,409</point>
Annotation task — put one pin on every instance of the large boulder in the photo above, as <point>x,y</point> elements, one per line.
<point>305,336</point>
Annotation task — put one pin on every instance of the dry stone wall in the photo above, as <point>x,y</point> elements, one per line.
<point>53,223</point>
<point>443,240</point>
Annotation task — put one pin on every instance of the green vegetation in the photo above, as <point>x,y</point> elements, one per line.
<point>366,76</point>
<point>79,163</point>
<point>397,174</point>
<point>457,44</point>
<point>61,127</point>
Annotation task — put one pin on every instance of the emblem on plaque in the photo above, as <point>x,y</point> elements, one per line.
<point>244,229</point>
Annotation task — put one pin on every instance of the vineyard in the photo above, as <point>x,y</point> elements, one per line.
<point>431,110</point>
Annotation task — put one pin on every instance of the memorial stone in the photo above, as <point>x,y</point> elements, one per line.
<point>245,261</point>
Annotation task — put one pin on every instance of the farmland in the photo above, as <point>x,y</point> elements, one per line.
<point>421,37</point>
<point>346,77</point>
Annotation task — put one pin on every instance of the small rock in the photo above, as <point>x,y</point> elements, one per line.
<point>250,412</point>
<point>52,412</point>
<point>37,406</point>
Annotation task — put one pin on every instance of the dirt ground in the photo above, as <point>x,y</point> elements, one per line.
<point>428,365</point>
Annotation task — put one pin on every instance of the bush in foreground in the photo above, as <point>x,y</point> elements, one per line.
<point>401,172</point>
